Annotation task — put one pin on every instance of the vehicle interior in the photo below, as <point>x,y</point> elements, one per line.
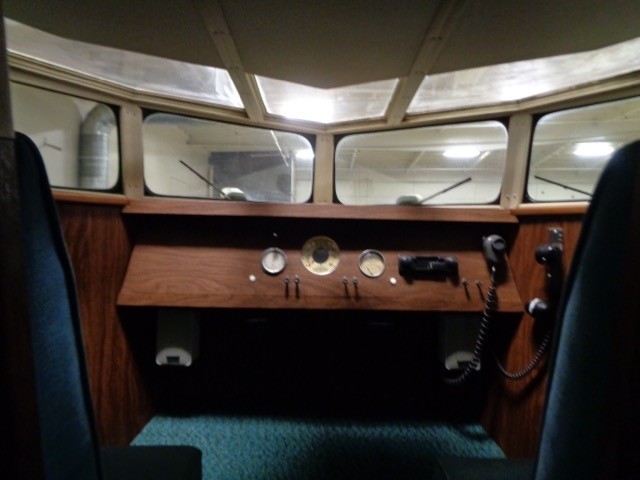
<point>320,240</point>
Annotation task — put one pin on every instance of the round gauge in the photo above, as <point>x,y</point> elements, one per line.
<point>320,255</point>
<point>273,261</point>
<point>371,263</point>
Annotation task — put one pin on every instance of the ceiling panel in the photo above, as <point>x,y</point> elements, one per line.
<point>165,28</point>
<point>330,43</point>
<point>490,32</point>
<point>334,43</point>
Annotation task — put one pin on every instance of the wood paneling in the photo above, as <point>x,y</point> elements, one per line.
<point>514,412</point>
<point>99,249</point>
<point>86,197</point>
<point>538,209</point>
<point>165,206</point>
<point>204,263</point>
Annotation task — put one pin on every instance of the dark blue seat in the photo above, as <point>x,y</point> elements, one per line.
<point>70,448</point>
<point>591,418</point>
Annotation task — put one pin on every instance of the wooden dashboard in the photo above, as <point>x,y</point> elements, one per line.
<point>214,261</point>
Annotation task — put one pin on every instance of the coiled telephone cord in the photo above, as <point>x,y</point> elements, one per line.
<point>532,364</point>
<point>490,306</point>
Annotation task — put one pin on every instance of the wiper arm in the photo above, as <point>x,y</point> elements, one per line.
<point>445,190</point>
<point>418,200</point>
<point>203,178</point>
<point>568,187</point>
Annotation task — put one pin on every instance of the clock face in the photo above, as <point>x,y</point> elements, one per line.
<point>320,255</point>
<point>274,260</point>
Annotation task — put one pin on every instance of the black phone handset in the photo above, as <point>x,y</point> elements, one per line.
<point>549,255</point>
<point>494,248</point>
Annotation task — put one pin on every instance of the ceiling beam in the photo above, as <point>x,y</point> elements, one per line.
<point>442,25</point>
<point>216,25</point>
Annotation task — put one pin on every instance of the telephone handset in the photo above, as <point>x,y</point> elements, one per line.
<point>550,255</point>
<point>494,248</point>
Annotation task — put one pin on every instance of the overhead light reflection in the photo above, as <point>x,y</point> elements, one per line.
<point>462,152</point>
<point>305,155</point>
<point>593,149</point>
<point>310,108</point>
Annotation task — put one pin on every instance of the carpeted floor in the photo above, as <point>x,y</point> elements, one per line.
<point>249,448</point>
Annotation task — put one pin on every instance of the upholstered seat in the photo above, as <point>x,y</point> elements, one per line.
<point>70,448</point>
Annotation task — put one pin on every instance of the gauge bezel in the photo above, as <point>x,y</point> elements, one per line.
<point>326,267</point>
<point>375,253</point>
<point>269,270</point>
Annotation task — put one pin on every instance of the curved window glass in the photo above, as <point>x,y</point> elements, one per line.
<point>189,157</point>
<point>447,164</point>
<point>78,138</point>
<point>570,148</point>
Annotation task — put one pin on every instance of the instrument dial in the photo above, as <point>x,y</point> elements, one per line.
<point>274,260</point>
<point>371,263</point>
<point>320,255</point>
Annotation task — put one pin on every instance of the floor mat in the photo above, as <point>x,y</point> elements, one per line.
<point>249,448</point>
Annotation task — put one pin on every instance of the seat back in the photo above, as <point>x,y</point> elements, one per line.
<point>599,310</point>
<point>69,442</point>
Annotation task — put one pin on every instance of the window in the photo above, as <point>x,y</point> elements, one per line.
<point>570,148</point>
<point>78,138</point>
<point>188,157</point>
<point>448,164</point>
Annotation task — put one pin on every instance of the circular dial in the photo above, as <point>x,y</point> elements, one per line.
<point>273,261</point>
<point>371,263</point>
<point>320,255</point>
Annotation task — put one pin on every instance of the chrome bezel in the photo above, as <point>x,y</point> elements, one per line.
<point>268,269</point>
<point>377,254</point>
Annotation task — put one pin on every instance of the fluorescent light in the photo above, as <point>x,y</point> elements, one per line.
<point>593,149</point>
<point>463,152</point>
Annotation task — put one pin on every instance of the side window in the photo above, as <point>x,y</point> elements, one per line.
<point>570,148</point>
<point>189,157</point>
<point>448,164</point>
<point>78,138</point>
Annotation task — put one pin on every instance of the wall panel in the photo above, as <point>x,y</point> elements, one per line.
<point>99,248</point>
<point>514,411</point>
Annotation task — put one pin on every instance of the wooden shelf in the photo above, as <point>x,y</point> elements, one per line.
<point>573,208</point>
<point>95,198</point>
<point>162,206</point>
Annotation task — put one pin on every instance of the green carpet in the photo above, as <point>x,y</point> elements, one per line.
<point>238,448</point>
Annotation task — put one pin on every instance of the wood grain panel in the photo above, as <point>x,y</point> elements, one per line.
<point>538,209</point>
<point>185,276</point>
<point>99,249</point>
<point>165,206</point>
<point>205,263</point>
<point>514,412</point>
<point>87,197</point>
